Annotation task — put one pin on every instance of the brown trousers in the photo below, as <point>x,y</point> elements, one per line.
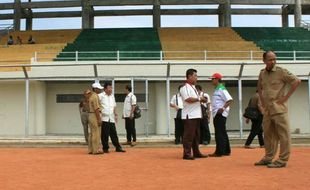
<point>191,137</point>
<point>277,129</point>
<point>94,135</point>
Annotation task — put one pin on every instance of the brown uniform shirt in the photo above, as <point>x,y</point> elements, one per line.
<point>274,84</point>
<point>94,103</point>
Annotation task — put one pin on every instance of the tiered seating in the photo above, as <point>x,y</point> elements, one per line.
<point>198,40</point>
<point>91,44</point>
<point>48,44</point>
<point>45,36</point>
<point>21,54</point>
<point>279,39</point>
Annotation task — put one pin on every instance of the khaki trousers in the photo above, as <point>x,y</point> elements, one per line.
<point>94,135</point>
<point>84,120</point>
<point>277,129</point>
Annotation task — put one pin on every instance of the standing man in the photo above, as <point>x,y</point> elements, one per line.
<point>221,101</point>
<point>272,85</point>
<point>191,116</point>
<point>177,103</point>
<point>130,103</point>
<point>205,135</point>
<point>84,113</point>
<point>109,117</point>
<point>94,119</point>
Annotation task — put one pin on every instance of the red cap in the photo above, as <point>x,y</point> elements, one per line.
<point>217,76</point>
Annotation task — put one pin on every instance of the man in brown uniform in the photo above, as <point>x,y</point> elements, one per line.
<point>94,120</point>
<point>272,83</point>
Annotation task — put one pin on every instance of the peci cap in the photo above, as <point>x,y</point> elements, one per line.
<point>87,92</point>
<point>217,76</point>
<point>97,85</point>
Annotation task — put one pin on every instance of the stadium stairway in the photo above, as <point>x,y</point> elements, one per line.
<point>91,43</point>
<point>279,39</point>
<point>218,42</point>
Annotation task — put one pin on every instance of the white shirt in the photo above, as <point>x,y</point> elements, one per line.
<point>219,98</point>
<point>108,103</point>
<point>174,102</point>
<point>129,101</point>
<point>206,95</point>
<point>190,110</point>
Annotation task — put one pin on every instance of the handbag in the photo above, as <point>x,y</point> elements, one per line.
<point>251,112</point>
<point>136,111</point>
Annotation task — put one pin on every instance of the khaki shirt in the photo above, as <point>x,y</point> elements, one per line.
<point>94,103</point>
<point>274,84</point>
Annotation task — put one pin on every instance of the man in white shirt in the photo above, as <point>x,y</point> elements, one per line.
<point>177,103</point>
<point>191,115</point>
<point>109,117</point>
<point>205,136</point>
<point>221,101</point>
<point>130,103</point>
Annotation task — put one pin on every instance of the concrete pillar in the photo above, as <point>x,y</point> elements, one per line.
<point>285,21</point>
<point>17,14</point>
<point>221,20</point>
<point>28,13</point>
<point>86,14</point>
<point>92,18</point>
<point>156,14</point>
<point>40,108</point>
<point>227,13</point>
<point>161,108</point>
<point>297,13</point>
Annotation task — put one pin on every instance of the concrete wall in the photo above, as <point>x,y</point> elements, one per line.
<point>49,117</point>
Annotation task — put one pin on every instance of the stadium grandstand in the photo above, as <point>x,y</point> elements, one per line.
<point>41,83</point>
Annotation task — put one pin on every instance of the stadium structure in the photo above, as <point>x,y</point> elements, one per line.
<point>41,84</point>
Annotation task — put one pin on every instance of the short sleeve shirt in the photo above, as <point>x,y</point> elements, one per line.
<point>190,110</point>
<point>219,98</point>
<point>129,101</point>
<point>273,84</point>
<point>179,103</point>
<point>206,95</point>
<point>108,103</point>
<point>94,103</point>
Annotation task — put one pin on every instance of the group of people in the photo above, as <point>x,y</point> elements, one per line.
<point>193,111</point>
<point>193,116</point>
<point>19,41</point>
<point>98,114</point>
<point>272,123</point>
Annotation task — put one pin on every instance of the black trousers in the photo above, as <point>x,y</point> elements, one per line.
<point>205,135</point>
<point>108,130</point>
<point>178,130</point>
<point>130,129</point>
<point>256,129</point>
<point>221,137</point>
<point>191,137</point>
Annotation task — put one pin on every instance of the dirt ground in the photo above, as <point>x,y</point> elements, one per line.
<point>146,168</point>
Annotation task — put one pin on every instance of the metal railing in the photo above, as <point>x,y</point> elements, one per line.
<point>165,55</point>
